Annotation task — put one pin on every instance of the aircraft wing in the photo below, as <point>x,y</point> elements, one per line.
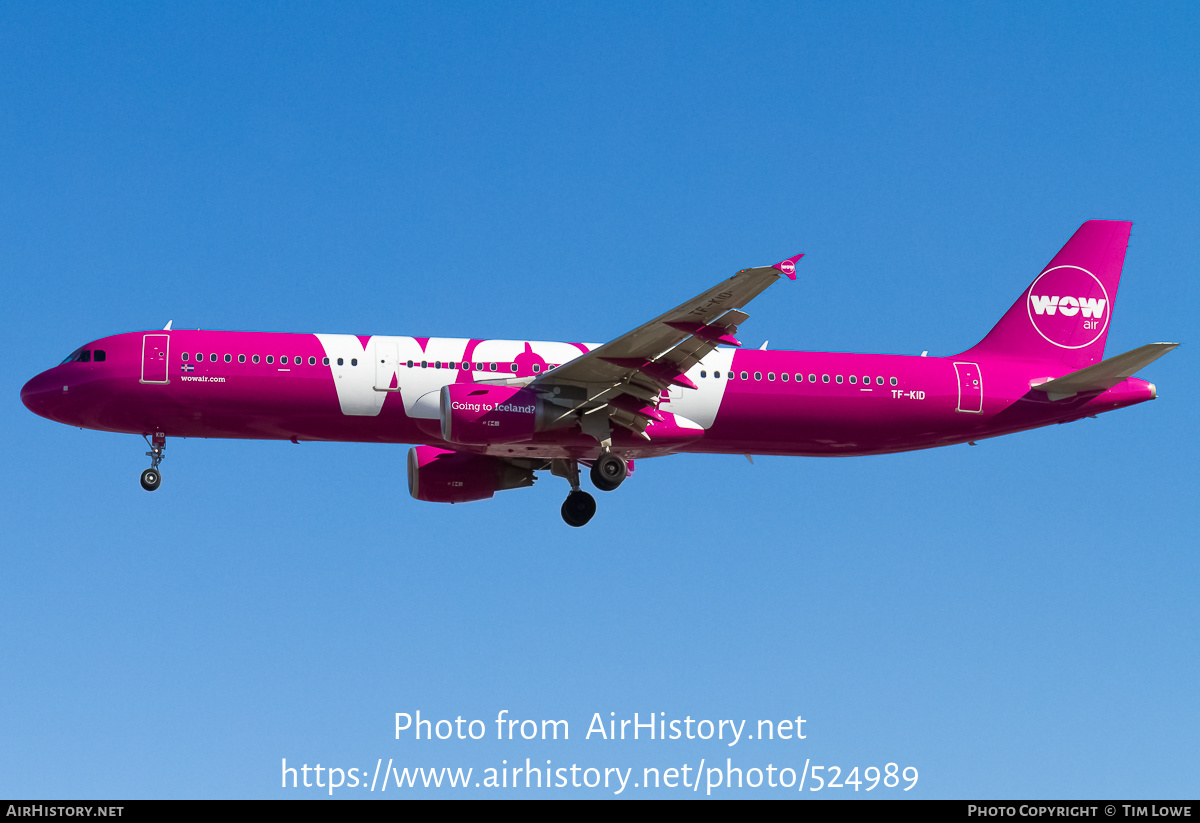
<point>621,381</point>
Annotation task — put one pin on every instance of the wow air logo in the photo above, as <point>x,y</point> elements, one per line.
<point>1069,307</point>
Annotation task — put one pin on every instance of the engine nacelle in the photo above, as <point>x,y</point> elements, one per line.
<point>480,415</point>
<point>442,476</point>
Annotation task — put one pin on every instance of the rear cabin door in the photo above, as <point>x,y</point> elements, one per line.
<point>970,388</point>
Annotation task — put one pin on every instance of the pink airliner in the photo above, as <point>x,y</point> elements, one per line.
<point>488,414</point>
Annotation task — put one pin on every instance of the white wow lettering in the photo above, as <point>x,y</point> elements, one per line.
<point>1068,306</point>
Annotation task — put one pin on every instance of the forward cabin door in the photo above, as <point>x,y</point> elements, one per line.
<point>154,357</point>
<point>970,388</point>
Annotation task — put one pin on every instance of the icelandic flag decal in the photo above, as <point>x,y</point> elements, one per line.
<point>187,367</point>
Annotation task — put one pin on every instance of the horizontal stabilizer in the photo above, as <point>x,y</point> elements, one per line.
<point>1105,374</point>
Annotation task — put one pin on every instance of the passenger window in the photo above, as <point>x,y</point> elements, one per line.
<point>537,368</point>
<point>255,359</point>
<point>212,358</point>
<point>783,377</point>
<point>341,362</point>
<point>894,381</point>
<point>744,376</point>
<point>325,361</point>
<point>513,367</point>
<point>353,361</point>
<point>438,364</point>
<point>758,375</point>
<point>703,374</point>
<point>879,381</point>
<point>184,356</point>
<point>771,376</point>
<point>839,378</point>
<point>241,358</point>
<point>199,357</point>
<point>825,378</point>
<point>491,366</point>
<point>853,380</point>
<point>812,378</point>
<point>410,364</point>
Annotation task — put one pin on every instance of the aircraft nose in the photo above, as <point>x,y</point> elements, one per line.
<point>41,394</point>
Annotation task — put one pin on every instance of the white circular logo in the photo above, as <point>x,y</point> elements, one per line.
<point>1069,307</point>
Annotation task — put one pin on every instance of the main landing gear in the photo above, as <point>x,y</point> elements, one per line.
<point>151,477</point>
<point>607,473</point>
<point>578,508</point>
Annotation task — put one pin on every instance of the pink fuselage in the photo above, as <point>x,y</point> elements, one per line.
<point>895,403</point>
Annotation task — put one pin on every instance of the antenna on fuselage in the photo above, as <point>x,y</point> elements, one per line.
<point>168,326</point>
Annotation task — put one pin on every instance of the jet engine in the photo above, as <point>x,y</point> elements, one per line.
<point>442,476</point>
<point>482,415</point>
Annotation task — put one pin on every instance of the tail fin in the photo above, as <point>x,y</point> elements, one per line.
<point>1063,316</point>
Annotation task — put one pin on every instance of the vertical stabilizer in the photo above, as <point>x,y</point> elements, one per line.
<point>1063,316</point>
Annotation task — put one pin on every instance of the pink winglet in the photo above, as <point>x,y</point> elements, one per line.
<point>788,266</point>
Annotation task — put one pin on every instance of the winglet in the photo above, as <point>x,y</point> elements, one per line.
<point>788,266</point>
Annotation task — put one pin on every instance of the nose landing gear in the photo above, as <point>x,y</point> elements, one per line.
<point>151,477</point>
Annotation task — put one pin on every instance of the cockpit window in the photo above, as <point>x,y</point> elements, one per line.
<point>79,356</point>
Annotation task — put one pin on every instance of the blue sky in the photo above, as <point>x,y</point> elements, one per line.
<point>1014,620</point>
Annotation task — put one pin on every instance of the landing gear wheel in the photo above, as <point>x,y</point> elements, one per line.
<point>158,445</point>
<point>578,508</point>
<point>609,471</point>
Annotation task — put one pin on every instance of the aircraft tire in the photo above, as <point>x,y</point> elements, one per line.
<point>578,508</point>
<point>151,479</point>
<point>608,472</point>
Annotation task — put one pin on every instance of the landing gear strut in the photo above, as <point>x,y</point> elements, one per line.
<point>151,477</point>
<point>609,471</point>
<point>579,507</point>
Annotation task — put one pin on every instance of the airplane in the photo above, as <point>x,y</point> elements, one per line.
<point>486,415</point>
